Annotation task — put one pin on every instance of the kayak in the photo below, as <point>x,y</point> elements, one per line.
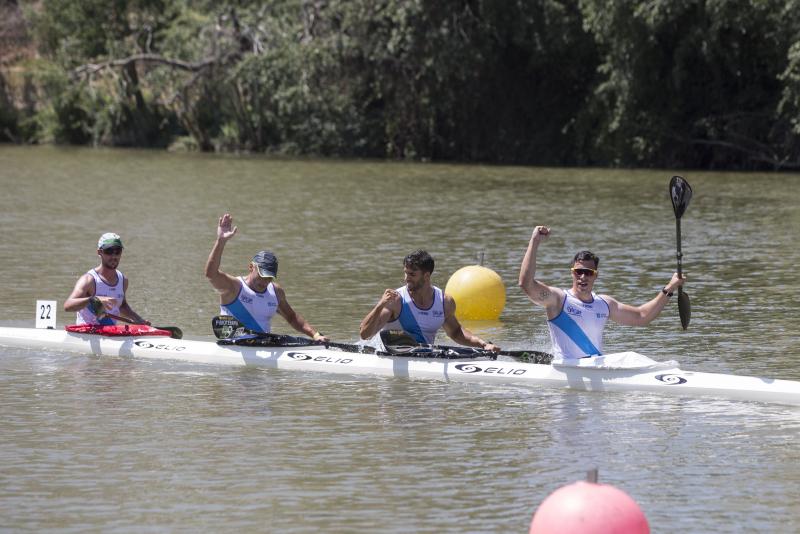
<point>626,371</point>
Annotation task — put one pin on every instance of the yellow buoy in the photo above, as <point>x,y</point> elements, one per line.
<point>479,293</point>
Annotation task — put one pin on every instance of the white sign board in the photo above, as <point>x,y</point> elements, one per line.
<point>46,314</point>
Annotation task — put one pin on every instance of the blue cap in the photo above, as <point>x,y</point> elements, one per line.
<point>266,263</point>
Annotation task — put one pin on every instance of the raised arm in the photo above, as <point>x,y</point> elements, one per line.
<point>642,315</point>
<point>539,293</point>
<point>460,334</point>
<point>387,308</point>
<point>225,284</point>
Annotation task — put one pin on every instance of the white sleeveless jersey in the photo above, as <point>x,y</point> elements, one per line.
<point>422,324</point>
<point>577,332</point>
<point>102,289</point>
<point>253,309</point>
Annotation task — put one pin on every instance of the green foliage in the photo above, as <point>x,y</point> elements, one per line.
<point>671,83</point>
<point>8,114</point>
<point>691,82</point>
<point>77,30</point>
<point>63,117</point>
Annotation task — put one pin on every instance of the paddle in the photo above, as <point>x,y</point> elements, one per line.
<point>681,193</point>
<point>227,327</point>
<point>174,331</point>
<point>401,343</point>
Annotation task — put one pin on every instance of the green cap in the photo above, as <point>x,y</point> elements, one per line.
<point>109,240</point>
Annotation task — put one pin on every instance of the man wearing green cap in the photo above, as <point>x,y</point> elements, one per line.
<point>253,299</point>
<point>102,290</point>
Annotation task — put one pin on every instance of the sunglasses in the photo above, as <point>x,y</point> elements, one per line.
<point>113,251</point>
<point>585,271</point>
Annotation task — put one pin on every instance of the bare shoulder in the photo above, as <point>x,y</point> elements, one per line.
<point>613,303</point>
<point>84,287</point>
<point>279,291</point>
<point>86,282</point>
<point>277,286</point>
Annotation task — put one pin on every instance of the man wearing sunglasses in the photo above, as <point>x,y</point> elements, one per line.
<point>253,299</point>
<point>577,316</point>
<point>102,289</point>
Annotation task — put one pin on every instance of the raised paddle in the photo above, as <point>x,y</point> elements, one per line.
<point>226,327</point>
<point>681,193</point>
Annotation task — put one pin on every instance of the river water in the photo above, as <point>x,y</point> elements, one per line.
<point>113,444</point>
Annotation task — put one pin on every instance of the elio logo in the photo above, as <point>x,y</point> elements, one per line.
<point>490,370</point>
<point>671,380</point>
<point>158,346</point>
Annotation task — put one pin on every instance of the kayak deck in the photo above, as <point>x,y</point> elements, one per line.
<point>662,380</point>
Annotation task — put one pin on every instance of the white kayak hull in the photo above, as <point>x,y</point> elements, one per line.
<point>669,380</point>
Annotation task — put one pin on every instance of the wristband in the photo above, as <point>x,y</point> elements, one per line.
<point>667,293</point>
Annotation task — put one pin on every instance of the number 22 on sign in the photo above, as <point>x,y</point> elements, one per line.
<point>45,314</point>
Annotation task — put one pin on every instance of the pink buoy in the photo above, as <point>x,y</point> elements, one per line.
<point>589,508</point>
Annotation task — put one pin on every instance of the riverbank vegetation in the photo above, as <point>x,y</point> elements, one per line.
<point>663,83</point>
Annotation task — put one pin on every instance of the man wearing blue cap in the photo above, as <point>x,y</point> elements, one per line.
<point>253,299</point>
<point>102,289</point>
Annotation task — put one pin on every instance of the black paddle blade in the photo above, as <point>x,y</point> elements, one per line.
<point>225,326</point>
<point>398,339</point>
<point>684,309</point>
<point>681,193</point>
<point>174,331</point>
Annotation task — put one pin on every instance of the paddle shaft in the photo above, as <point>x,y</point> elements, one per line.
<point>522,355</point>
<point>399,342</point>
<point>679,254</point>
<point>119,318</point>
<point>174,331</point>
<point>529,356</point>
<point>279,338</point>
<point>533,356</point>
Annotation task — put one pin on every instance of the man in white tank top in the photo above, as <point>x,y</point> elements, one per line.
<point>255,298</point>
<point>419,308</point>
<point>577,316</point>
<point>103,289</point>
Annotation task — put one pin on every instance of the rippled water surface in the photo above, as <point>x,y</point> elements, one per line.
<point>114,444</point>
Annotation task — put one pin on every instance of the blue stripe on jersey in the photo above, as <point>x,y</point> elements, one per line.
<point>237,309</point>
<point>409,323</point>
<point>575,333</point>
